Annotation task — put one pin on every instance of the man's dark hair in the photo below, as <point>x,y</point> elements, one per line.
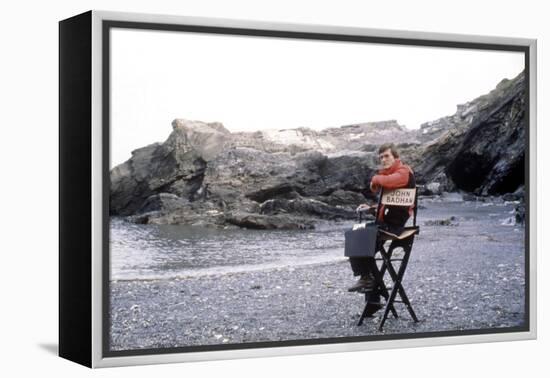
<point>391,147</point>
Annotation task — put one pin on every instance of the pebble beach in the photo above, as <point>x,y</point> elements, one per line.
<point>455,281</point>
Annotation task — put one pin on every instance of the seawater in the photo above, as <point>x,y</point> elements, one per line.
<point>178,251</point>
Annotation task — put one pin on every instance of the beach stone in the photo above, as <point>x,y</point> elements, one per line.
<point>442,222</point>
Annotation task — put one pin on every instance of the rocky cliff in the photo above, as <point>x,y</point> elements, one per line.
<point>290,178</point>
<point>481,148</point>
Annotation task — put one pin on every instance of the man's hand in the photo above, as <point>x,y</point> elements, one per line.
<point>363,207</point>
<point>374,187</point>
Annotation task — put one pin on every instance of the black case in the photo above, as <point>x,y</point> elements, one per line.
<point>361,242</point>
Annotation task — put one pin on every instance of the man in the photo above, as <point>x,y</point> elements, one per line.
<point>393,175</point>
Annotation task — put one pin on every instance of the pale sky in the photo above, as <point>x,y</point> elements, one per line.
<point>254,83</point>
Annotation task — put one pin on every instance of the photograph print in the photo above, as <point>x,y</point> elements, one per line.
<point>267,190</point>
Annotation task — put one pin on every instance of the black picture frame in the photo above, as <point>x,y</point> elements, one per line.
<point>84,124</point>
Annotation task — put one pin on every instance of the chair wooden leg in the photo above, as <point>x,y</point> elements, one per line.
<point>364,313</point>
<point>389,304</point>
<point>401,289</point>
<point>397,278</point>
<point>381,286</point>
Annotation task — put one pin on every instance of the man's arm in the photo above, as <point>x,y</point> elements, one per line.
<point>396,180</point>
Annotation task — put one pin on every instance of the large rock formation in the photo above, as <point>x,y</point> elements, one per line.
<point>481,148</point>
<point>290,178</point>
<point>202,175</point>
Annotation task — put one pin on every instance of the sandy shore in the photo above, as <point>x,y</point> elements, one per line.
<point>473,289</point>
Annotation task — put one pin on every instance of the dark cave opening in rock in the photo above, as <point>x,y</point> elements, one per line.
<point>512,180</point>
<point>468,171</point>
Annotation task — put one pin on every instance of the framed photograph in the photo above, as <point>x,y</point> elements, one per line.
<point>236,188</point>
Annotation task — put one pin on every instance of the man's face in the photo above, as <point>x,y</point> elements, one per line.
<point>386,158</point>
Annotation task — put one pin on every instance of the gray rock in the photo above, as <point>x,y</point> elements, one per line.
<point>442,222</point>
<point>305,207</point>
<point>162,201</point>
<point>206,139</point>
<point>469,197</point>
<point>481,148</point>
<point>518,195</point>
<point>433,188</point>
<point>205,175</point>
<point>343,198</point>
<point>520,213</point>
<point>267,222</point>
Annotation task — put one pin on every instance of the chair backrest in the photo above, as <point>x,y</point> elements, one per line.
<point>400,197</point>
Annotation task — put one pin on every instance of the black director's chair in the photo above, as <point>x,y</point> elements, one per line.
<point>403,239</point>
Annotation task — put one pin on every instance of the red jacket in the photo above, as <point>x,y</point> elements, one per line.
<point>397,176</point>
